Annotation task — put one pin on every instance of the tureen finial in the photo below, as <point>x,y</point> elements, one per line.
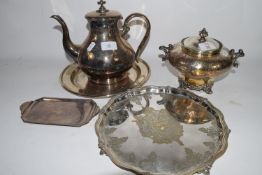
<point>203,34</point>
<point>102,8</point>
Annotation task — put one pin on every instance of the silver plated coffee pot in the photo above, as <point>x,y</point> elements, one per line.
<point>105,55</point>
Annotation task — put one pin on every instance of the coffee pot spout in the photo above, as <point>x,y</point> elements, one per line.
<point>70,48</point>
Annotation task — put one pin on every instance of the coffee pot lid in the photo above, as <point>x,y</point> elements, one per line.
<point>103,12</point>
<point>201,45</point>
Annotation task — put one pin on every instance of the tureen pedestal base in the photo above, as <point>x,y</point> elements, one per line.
<point>196,84</point>
<point>74,80</point>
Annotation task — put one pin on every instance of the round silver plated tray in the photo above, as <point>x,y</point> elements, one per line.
<point>162,131</point>
<point>74,80</point>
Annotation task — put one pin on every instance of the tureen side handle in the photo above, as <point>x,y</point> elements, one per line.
<point>147,25</point>
<point>166,50</point>
<point>235,55</point>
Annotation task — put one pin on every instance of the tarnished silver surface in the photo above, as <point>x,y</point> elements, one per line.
<point>162,130</point>
<point>59,111</point>
<point>200,61</point>
<point>105,53</point>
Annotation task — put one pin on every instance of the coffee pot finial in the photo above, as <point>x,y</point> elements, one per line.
<point>102,8</point>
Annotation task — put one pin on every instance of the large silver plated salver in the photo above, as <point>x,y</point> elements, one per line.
<point>162,130</point>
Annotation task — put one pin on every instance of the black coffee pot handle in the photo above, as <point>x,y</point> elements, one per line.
<point>144,41</point>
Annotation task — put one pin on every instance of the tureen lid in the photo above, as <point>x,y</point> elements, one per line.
<point>102,12</point>
<point>201,45</point>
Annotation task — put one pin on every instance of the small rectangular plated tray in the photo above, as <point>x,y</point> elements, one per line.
<point>59,111</point>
